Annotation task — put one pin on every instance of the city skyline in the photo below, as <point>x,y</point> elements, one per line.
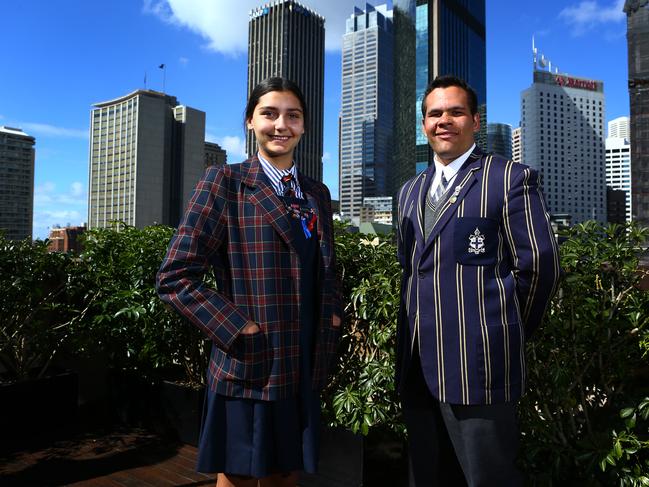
<point>63,59</point>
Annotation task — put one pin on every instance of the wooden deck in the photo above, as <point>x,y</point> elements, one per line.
<point>120,458</point>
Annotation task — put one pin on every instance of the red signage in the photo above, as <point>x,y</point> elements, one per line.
<point>583,84</point>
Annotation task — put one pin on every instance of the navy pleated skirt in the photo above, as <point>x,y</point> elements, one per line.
<point>259,438</point>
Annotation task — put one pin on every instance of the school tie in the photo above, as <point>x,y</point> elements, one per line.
<point>288,185</point>
<point>441,189</point>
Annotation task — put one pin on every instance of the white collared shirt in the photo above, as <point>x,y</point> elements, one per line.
<point>450,170</point>
<point>275,176</point>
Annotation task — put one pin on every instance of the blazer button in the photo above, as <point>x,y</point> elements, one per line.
<point>421,275</point>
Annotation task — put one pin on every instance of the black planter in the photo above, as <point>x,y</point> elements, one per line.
<point>37,406</point>
<point>181,409</point>
<point>132,400</point>
<point>349,460</point>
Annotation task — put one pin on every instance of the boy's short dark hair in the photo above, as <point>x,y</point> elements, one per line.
<point>447,81</point>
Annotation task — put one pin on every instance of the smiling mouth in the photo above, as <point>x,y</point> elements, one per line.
<point>280,138</point>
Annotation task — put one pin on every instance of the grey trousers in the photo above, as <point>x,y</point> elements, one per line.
<point>455,445</point>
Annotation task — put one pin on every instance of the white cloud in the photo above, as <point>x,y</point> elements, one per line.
<point>45,194</point>
<point>234,146</point>
<point>46,130</point>
<point>326,157</point>
<point>77,189</point>
<point>183,61</point>
<point>224,24</point>
<point>588,14</point>
<point>58,208</point>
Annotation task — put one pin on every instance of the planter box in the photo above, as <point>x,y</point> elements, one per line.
<point>36,406</point>
<point>182,410</point>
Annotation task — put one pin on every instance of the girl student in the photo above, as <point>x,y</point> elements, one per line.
<point>265,230</point>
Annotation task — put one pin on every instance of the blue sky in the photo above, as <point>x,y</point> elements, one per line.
<point>61,57</point>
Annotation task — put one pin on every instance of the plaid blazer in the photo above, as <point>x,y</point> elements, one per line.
<point>478,286</point>
<point>236,226</point>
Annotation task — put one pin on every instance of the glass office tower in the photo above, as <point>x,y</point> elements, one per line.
<point>450,39</point>
<point>366,118</point>
<point>287,39</point>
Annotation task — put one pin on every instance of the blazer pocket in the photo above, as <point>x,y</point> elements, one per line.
<point>475,241</point>
<point>250,359</point>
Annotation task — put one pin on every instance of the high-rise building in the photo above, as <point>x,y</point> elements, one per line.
<point>618,161</point>
<point>619,127</point>
<point>366,117</point>
<point>287,39</point>
<point>562,123</point>
<point>17,157</point>
<point>146,155</point>
<point>214,154</point>
<point>637,35</point>
<point>517,146</point>
<point>405,112</point>
<point>449,39</point>
<point>499,139</point>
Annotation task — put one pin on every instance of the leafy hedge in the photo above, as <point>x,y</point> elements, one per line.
<point>584,419</point>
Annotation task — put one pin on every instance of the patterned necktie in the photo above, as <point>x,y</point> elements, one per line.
<point>288,185</point>
<point>441,188</point>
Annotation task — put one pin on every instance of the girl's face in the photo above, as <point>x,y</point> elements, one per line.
<point>278,122</point>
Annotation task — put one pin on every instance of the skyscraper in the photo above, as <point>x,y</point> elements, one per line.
<point>17,157</point>
<point>517,149</point>
<point>366,119</point>
<point>214,154</point>
<point>499,139</point>
<point>562,123</point>
<point>287,39</point>
<point>618,160</point>
<point>450,39</point>
<point>637,35</point>
<point>619,127</point>
<point>146,156</point>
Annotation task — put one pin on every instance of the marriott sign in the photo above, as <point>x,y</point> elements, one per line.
<point>584,84</point>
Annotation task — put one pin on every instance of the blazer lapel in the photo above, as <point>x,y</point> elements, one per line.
<point>264,197</point>
<point>464,179</point>
<point>419,200</point>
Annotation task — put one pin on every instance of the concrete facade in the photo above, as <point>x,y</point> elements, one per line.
<point>17,157</point>
<point>287,39</point>
<point>562,124</point>
<point>146,156</point>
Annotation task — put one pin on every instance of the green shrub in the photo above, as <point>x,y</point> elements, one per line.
<point>362,394</point>
<point>37,307</point>
<point>127,318</point>
<point>585,363</point>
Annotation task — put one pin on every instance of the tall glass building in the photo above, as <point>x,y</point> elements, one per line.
<point>450,39</point>
<point>287,39</point>
<point>499,139</point>
<point>637,36</point>
<point>366,118</point>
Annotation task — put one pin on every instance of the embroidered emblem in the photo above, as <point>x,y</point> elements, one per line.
<point>476,242</point>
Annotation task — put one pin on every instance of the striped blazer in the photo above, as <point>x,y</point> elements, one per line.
<point>478,286</point>
<point>237,227</point>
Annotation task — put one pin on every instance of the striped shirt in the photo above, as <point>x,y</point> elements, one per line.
<point>275,177</point>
